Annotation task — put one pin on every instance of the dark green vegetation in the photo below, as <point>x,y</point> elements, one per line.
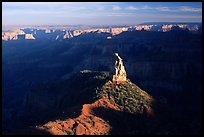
<point>128,96</point>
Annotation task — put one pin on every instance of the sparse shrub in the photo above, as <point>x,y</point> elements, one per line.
<point>127,96</point>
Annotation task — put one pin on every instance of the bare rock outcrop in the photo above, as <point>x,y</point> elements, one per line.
<point>29,36</point>
<point>120,73</point>
<point>116,31</point>
<point>68,35</point>
<point>85,124</point>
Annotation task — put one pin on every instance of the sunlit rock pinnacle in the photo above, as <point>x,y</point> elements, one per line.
<point>120,73</point>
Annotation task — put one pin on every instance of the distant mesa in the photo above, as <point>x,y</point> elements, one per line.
<point>116,31</point>
<point>17,35</point>
<point>68,33</point>
<point>29,36</point>
<point>120,73</point>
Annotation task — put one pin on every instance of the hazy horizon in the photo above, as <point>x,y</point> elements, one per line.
<point>98,13</point>
<point>96,24</point>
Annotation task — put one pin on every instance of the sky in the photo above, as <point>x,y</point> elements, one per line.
<point>99,13</point>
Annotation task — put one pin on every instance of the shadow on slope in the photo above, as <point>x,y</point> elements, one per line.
<point>124,123</point>
<point>60,100</point>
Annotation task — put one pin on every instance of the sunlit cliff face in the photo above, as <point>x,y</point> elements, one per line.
<point>67,33</point>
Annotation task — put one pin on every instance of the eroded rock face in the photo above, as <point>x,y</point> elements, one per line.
<point>120,73</point>
<point>85,124</point>
<point>29,36</point>
<point>68,35</point>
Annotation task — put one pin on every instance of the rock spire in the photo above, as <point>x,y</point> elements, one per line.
<point>120,73</point>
